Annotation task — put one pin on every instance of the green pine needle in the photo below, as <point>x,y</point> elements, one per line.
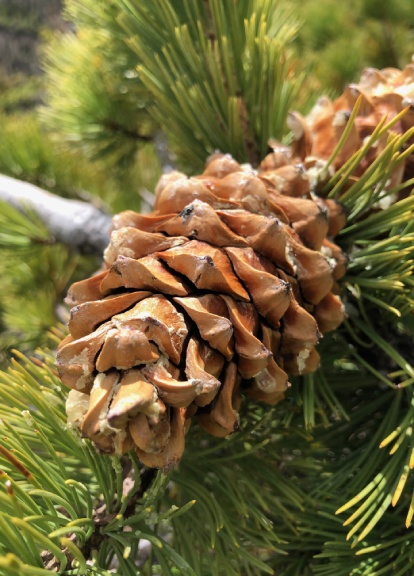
<point>191,59</point>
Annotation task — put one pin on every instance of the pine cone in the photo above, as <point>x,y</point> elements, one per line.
<point>222,292</point>
<point>382,93</point>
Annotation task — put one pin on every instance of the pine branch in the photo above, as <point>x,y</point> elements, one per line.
<point>190,59</point>
<point>78,225</point>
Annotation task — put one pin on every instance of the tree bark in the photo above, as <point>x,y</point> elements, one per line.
<point>76,224</point>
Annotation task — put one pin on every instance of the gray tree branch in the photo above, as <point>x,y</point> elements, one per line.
<point>76,224</point>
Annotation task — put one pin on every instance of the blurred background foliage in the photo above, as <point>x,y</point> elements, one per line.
<point>339,39</point>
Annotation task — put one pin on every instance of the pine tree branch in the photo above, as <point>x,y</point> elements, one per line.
<point>79,225</point>
<point>102,518</point>
<point>120,130</point>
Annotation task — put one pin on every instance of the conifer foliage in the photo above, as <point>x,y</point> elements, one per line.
<point>205,309</point>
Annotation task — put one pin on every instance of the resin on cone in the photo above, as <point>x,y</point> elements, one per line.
<point>218,295</point>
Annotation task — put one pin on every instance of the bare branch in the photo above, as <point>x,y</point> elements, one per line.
<point>77,224</point>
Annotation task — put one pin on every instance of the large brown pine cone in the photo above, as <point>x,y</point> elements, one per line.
<point>221,292</point>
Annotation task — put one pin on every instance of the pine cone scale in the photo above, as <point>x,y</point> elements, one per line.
<point>84,318</point>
